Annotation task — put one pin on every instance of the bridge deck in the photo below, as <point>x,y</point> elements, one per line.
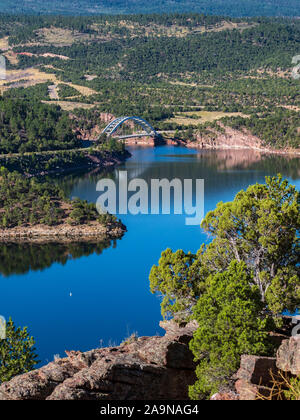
<point>130,136</point>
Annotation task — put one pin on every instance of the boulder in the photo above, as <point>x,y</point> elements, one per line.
<point>288,356</point>
<point>257,369</point>
<point>225,396</point>
<point>254,376</point>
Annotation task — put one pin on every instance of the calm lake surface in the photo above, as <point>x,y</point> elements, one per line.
<point>82,296</point>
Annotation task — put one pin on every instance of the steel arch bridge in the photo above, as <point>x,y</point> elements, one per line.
<point>115,124</point>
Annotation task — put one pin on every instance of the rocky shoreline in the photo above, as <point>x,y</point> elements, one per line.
<point>230,139</point>
<point>36,164</point>
<point>93,162</point>
<point>63,233</point>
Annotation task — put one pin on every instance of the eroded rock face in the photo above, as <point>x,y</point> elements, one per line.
<point>255,376</point>
<point>257,369</point>
<point>143,368</point>
<point>288,356</point>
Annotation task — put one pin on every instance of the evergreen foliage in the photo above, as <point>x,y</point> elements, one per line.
<point>231,323</point>
<point>28,202</point>
<point>34,127</point>
<point>17,352</point>
<point>236,287</point>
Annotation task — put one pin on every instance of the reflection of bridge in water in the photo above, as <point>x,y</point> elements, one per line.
<point>112,127</point>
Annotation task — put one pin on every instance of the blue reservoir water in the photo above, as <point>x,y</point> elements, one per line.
<point>82,296</point>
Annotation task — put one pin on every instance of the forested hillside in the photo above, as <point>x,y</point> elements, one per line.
<point>181,72</point>
<point>230,7</point>
<point>141,46</point>
<point>34,127</point>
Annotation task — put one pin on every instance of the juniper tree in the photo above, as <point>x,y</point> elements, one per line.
<point>260,227</point>
<point>178,279</point>
<point>231,323</point>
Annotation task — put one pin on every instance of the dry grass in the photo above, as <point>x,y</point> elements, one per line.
<point>174,30</point>
<point>179,31</point>
<point>33,76</point>
<point>291,107</point>
<point>278,73</point>
<point>179,83</point>
<point>25,78</point>
<point>11,57</point>
<point>203,117</point>
<point>225,25</point>
<point>283,388</point>
<point>71,98</point>
<point>90,77</point>
<point>59,37</point>
<point>4,43</point>
<point>49,66</point>
<point>70,106</point>
<point>85,91</point>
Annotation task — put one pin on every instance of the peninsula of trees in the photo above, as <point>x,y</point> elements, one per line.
<point>37,210</point>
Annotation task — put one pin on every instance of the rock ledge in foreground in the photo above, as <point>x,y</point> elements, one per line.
<point>144,368</point>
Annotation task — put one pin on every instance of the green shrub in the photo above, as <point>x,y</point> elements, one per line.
<point>17,352</point>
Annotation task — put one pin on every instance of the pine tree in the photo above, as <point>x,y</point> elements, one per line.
<point>17,352</point>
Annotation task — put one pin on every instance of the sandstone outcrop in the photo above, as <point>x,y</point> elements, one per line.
<point>288,356</point>
<point>146,368</point>
<point>254,376</point>
<point>142,368</point>
<point>228,139</point>
<point>256,373</point>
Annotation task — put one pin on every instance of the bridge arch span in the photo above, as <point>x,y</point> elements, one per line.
<point>116,123</point>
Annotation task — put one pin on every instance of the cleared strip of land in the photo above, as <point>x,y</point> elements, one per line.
<point>187,118</point>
